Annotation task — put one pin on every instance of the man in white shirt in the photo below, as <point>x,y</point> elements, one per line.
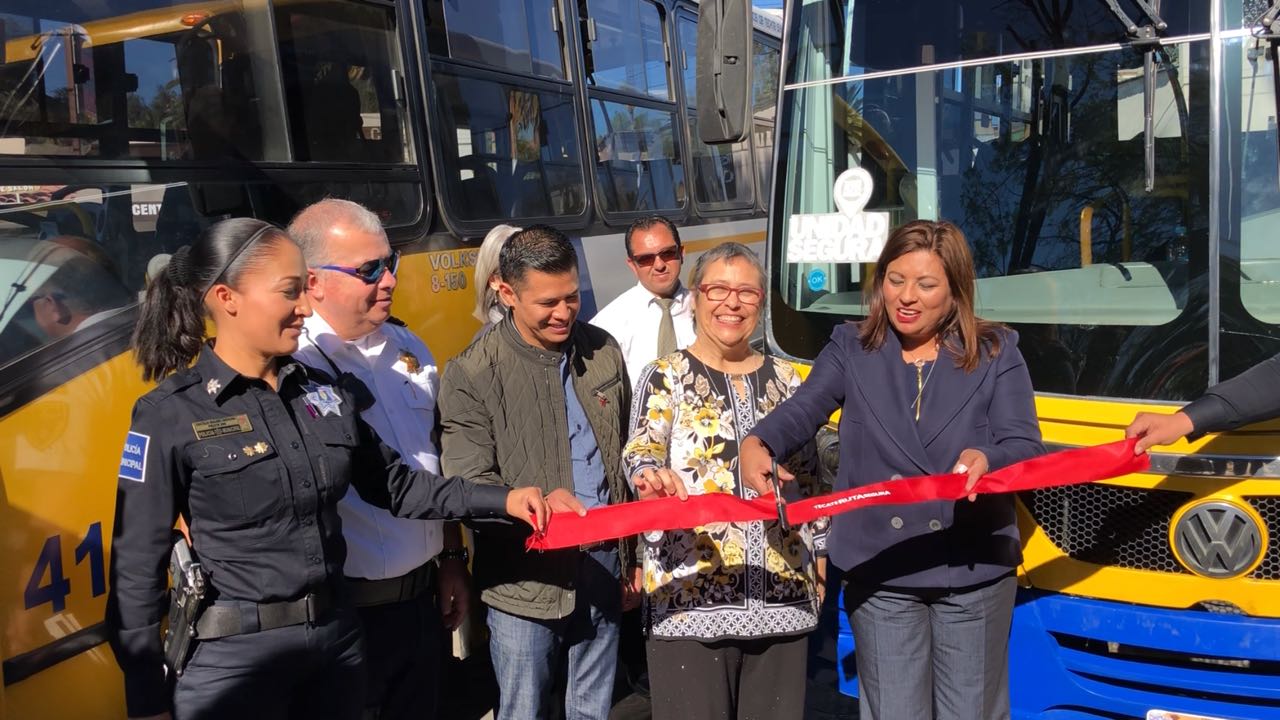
<point>654,318</point>
<point>84,290</point>
<point>407,578</point>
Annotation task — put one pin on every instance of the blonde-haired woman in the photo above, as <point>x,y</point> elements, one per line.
<point>489,308</point>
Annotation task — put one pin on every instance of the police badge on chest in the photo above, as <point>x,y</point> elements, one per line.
<point>322,400</point>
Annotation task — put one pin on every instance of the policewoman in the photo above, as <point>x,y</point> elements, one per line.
<point>253,450</point>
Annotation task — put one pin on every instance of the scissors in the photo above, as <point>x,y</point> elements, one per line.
<point>778,502</point>
<point>783,523</point>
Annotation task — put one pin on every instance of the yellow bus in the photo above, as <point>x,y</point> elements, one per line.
<point>1115,171</point>
<point>127,126</point>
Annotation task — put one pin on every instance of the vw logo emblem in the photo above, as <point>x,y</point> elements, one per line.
<point>1217,539</point>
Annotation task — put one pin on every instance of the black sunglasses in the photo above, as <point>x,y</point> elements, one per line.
<point>370,272</point>
<point>668,255</point>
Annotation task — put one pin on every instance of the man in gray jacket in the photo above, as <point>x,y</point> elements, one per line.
<point>543,400</point>
<point>1251,396</point>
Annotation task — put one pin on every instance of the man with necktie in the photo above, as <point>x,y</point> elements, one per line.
<point>654,318</point>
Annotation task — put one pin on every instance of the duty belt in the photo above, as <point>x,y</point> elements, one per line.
<point>241,618</point>
<point>370,593</point>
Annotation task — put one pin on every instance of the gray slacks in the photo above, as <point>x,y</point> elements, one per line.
<point>938,654</point>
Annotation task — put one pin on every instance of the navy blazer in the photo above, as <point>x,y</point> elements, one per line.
<point>937,544</point>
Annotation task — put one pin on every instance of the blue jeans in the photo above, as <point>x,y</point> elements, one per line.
<point>526,652</point>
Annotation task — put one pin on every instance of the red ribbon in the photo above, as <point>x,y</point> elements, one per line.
<point>1067,467</point>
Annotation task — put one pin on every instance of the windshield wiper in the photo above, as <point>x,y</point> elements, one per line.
<point>1141,34</point>
<point>1146,37</point>
<point>1268,28</point>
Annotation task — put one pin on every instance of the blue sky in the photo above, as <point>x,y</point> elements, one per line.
<point>768,3</point>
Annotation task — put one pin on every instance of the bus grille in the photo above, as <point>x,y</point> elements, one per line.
<point>1269,508</point>
<point>1109,525</point>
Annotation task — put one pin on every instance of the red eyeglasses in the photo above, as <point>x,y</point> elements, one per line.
<point>720,293</point>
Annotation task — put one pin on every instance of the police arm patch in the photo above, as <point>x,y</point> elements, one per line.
<point>133,462</point>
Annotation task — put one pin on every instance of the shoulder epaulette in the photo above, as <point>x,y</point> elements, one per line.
<point>175,384</point>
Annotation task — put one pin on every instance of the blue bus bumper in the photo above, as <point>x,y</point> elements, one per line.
<point>1077,659</point>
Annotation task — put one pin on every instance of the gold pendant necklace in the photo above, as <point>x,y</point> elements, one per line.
<point>922,379</point>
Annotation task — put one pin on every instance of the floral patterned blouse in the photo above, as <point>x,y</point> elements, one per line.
<point>723,580</point>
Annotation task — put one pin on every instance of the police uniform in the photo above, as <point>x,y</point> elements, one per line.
<point>391,567</point>
<point>257,475</point>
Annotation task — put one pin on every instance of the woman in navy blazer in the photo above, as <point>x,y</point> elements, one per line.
<point>925,387</point>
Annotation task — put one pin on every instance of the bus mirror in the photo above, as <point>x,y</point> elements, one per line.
<point>724,71</point>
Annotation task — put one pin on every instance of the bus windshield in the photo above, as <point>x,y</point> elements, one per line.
<point>1089,222</point>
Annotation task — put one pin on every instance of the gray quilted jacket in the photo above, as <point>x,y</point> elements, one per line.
<point>503,422</point>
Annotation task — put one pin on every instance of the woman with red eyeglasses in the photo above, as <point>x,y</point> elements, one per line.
<point>728,606</point>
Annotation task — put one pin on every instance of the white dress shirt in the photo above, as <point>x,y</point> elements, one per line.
<point>380,545</point>
<point>632,319</point>
<point>97,317</point>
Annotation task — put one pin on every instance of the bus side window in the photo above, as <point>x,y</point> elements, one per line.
<point>509,152</point>
<point>505,114</point>
<point>340,62</point>
<point>136,82</point>
<point>764,93</point>
<point>518,36</point>
<point>637,164</point>
<point>639,161</point>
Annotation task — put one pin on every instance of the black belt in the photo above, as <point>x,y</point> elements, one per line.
<point>371,593</point>
<point>241,618</point>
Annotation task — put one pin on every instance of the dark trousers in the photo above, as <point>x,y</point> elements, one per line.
<point>758,679</point>
<point>404,649</point>
<point>301,671</point>
<point>941,654</point>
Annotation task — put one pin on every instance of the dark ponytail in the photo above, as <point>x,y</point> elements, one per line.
<point>171,320</point>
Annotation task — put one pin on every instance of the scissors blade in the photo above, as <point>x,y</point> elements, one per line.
<point>778,502</point>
